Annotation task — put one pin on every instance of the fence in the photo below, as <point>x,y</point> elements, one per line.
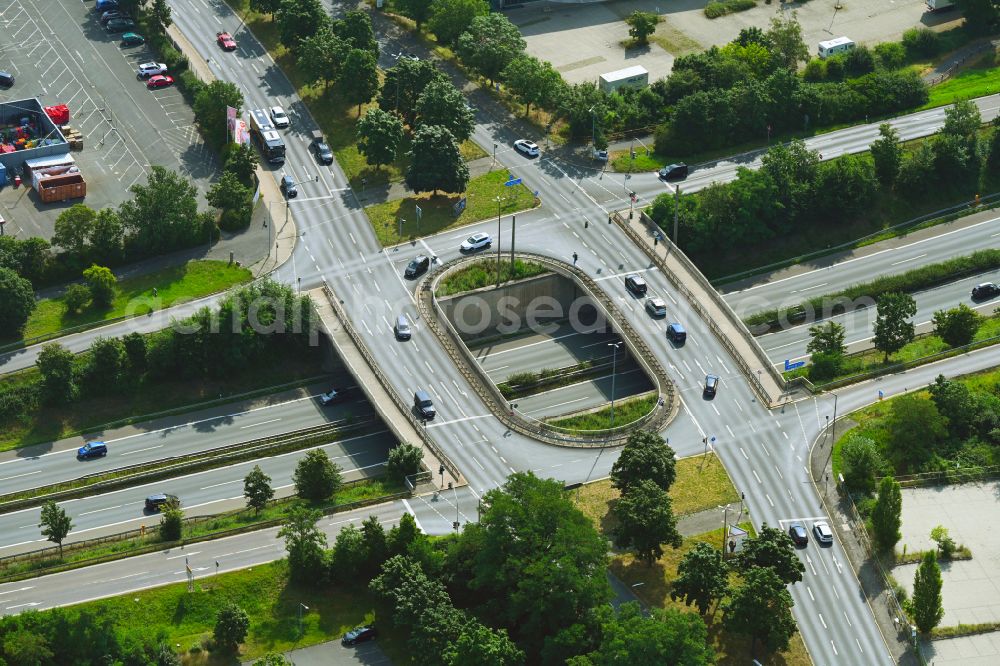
<point>501,407</point>
<point>948,72</point>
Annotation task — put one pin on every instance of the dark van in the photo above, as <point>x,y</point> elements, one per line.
<point>418,266</point>
<point>424,405</point>
<point>677,334</point>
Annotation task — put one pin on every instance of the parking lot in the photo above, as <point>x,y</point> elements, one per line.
<point>59,52</point>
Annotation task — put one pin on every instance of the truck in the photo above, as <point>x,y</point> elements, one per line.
<point>938,5</point>
<point>266,137</point>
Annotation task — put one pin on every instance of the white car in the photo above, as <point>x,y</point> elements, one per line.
<point>279,117</point>
<point>823,532</point>
<point>656,307</point>
<point>476,242</point>
<point>148,69</point>
<point>529,148</point>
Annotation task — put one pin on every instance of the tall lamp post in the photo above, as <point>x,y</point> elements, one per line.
<point>593,130</point>
<point>614,366</point>
<point>499,201</point>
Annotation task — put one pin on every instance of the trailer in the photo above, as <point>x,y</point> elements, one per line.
<point>630,77</point>
<point>834,46</point>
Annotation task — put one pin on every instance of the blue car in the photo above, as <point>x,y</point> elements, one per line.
<point>92,450</point>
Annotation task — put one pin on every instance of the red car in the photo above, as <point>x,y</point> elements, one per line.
<point>159,82</point>
<point>226,41</point>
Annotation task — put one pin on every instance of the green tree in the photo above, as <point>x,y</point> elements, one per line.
<point>862,464</point>
<point>893,330</point>
<point>355,29</point>
<point>645,456</point>
<point>404,460</point>
<point>300,19</point>
<point>171,521</point>
<point>645,521</point>
<point>826,338</point>
<point>55,365</point>
<point>210,109</point>
<point>107,238</point>
<point>108,364</point>
<point>981,16</point>
<point>963,121</point>
<point>436,162</point>
<point>533,82</point>
<point>702,577</point>
<point>772,549</point>
<point>379,136</point>
<point>403,535</point>
<point>55,524</point>
<point>946,545</point>
<point>957,403</point>
<point>665,636</point>
<point>103,285</point>
<point>231,627</point>
<point>824,366</point>
<point>404,82</point>
<point>242,162</point>
<point>761,607</point>
<point>957,326</point>
<point>257,489</point>
<point>993,158</point>
<point>478,645</point>
<point>304,543</point>
<point>316,477</point>
<point>266,6</point>
<point>23,646</point>
<point>73,229</point>
<point>418,10</point>
<point>926,604</point>
<point>376,546</point>
<point>163,214</point>
<point>887,154</point>
<point>450,18</point>
<point>362,83</point>
<point>785,36</point>
<point>135,350</point>
<point>490,44</point>
<point>915,428</point>
<point>230,194</point>
<point>347,558</point>
<point>886,515</point>
<point>320,56</point>
<point>273,659</point>
<point>405,587</point>
<point>641,25</point>
<point>443,104</point>
<point>76,296</point>
<point>17,302</point>
<point>159,16</point>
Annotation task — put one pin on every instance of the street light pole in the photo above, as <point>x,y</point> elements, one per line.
<point>614,367</point>
<point>513,228</point>
<point>499,199</point>
<point>301,606</point>
<point>677,208</point>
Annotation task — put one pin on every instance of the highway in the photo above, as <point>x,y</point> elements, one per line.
<point>764,451</point>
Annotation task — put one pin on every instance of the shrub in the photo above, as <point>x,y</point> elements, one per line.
<point>235,219</point>
<point>825,366</point>
<point>815,70</point>
<point>921,42</point>
<point>190,85</point>
<point>522,379</point>
<point>890,55</point>
<point>76,296</point>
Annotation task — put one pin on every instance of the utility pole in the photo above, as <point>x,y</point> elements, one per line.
<point>513,227</point>
<point>677,208</point>
<point>725,529</point>
<point>614,366</point>
<point>499,199</point>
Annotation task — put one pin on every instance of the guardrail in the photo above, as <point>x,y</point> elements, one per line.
<point>404,409</point>
<point>735,321</point>
<point>502,408</point>
<point>170,466</point>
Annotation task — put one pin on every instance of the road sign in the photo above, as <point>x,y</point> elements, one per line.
<point>459,206</point>
<point>512,182</point>
<point>420,212</point>
<point>791,366</point>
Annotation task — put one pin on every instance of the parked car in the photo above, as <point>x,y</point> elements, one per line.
<point>105,5</point>
<point>114,13</point>
<point>475,242</point>
<point>132,39</point>
<point>148,69</point>
<point>676,333</point>
<point>424,405</point>
<point>288,187</point>
<point>656,307</point>
<point>823,532</point>
<point>333,396</point>
<point>601,155</point>
<point>279,117</point>
<point>359,635</point>
<point>635,284</point>
<point>119,25</point>
<point>159,81</point>
<point>6,79</point>
<point>402,328</point>
<point>417,266</point>
<point>798,533</point>
<point>156,502</point>
<point>711,385</point>
<point>92,450</point>
<point>226,41</point>
<point>525,147</point>
<point>984,291</point>
<point>674,172</point>
<point>322,150</point>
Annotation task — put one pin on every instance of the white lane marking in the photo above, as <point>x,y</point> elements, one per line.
<point>254,425</point>
<point>148,448</point>
<point>17,476</point>
<point>217,485</point>
<point>410,511</point>
<point>192,554</point>
<point>107,508</point>
<point>903,261</point>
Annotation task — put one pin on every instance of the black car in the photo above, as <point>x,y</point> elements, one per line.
<point>156,502</point>
<point>674,172</point>
<point>711,385</point>
<point>359,635</point>
<point>676,333</point>
<point>635,284</point>
<point>984,291</point>
<point>120,25</point>
<point>322,151</point>
<point>108,15</point>
<point>288,187</point>
<point>6,79</point>
<point>92,450</point>
<point>424,405</point>
<point>418,266</point>
<point>798,534</point>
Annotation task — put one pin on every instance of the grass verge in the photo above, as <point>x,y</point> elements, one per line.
<point>201,528</point>
<point>483,273</point>
<point>175,284</point>
<point>95,413</point>
<point>626,411</point>
<point>438,214</point>
<point>980,79</point>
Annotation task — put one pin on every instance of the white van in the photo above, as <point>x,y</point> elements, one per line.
<point>834,46</point>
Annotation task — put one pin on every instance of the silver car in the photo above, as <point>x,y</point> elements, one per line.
<point>823,532</point>
<point>656,307</point>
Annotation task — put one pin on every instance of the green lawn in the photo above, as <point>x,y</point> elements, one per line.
<point>979,80</point>
<point>626,411</point>
<point>437,210</point>
<point>174,285</point>
<point>484,273</point>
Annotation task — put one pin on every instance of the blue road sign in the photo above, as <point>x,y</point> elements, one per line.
<point>791,366</point>
<point>512,182</point>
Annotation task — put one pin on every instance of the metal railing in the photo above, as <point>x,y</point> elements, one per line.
<point>387,385</point>
<point>450,339</point>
